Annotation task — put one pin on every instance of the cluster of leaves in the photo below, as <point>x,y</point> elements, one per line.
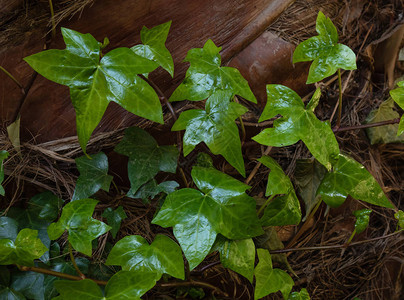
<point>217,214</point>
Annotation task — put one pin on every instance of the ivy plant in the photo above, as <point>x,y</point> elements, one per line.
<point>398,96</point>
<point>3,156</point>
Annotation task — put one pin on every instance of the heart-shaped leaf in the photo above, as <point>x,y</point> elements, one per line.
<point>269,280</point>
<point>26,247</point>
<point>93,176</point>
<point>302,295</point>
<point>146,157</point>
<point>123,285</point>
<point>154,48</point>
<point>3,156</point>
<point>362,219</point>
<point>237,255</point>
<point>387,133</point>
<point>297,123</point>
<point>221,206</point>
<point>215,126</point>
<point>327,55</point>
<point>283,210</point>
<point>95,82</point>
<point>82,228</point>
<point>398,96</point>
<point>205,76</point>
<point>114,218</point>
<point>163,256</point>
<point>351,178</point>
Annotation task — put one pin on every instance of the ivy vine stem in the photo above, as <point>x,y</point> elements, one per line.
<point>351,237</point>
<point>13,79</point>
<point>363,126</point>
<point>257,166</point>
<point>339,99</point>
<point>194,283</point>
<point>52,18</point>
<point>265,205</point>
<point>76,267</point>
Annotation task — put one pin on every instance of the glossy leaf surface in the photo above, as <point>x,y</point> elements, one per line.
<point>3,156</point>
<point>237,255</point>
<point>82,228</point>
<point>151,189</point>
<point>95,82</point>
<point>154,48</point>
<point>351,178</point>
<point>8,228</point>
<point>283,210</point>
<point>93,176</point>
<point>327,55</point>
<point>387,133</point>
<point>205,76</point>
<point>297,123</point>
<point>23,250</point>
<point>307,177</point>
<point>215,127</point>
<point>123,285</point>
<point>146,157</point>
<point>302,295</point>
<point>398,96</point>
<point>30,284</point>
<point>269,280</point>
<point>114,218</point>
<point>362,219</point>
<point>220,206</point>
<point>162,256</point>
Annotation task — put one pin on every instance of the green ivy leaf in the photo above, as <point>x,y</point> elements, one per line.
<point>205,76</point>
<point>8,228</point>
<point>327,55</point>
<point>387,133</point>
<point>94,83</point>
<point>297,123</point>
<point>3,156</point>
<point>93,176</point>
<point>146,157</point>
<point>114,218</point>
<point>283,210</point>
<point>154,48</point>
<point>10,294</point>
<point>30,284</point>
<point>269,280</point>
<point>41,210</point>
<point>163,256</point>
<point>398,96</point>
<point>302,295</point>
<point>362,219</point>
<point>307,178</point>
<point>351,178</point>
<point>123,285</point>
<point>82,228</point>
<point>26,247</point>
<point>151,189</point>
<point>216,127</point>
<point>221,206</point>
<point>237,255</point>
<point>400,218</point>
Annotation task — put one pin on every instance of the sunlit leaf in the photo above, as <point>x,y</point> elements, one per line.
<point>327,55</point>
<point>96,81</point>
<point>82,228</point>
<point>146,157</point>
<point>114,218</point>
<point>297,123</point>
<point>93,176</point>
<point>398,96</point>
<point>215,127</point>
<point>237,255</point>
<point>269,280</point>
<point>197,216</point>
<point>351,178</point>
<point>205,76</point>
<point>3,156</point>
<point>362,219</point>
<point>163,256</point>
<point>23,250</point>
<point>154,48</point>
<point>285,209</point>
